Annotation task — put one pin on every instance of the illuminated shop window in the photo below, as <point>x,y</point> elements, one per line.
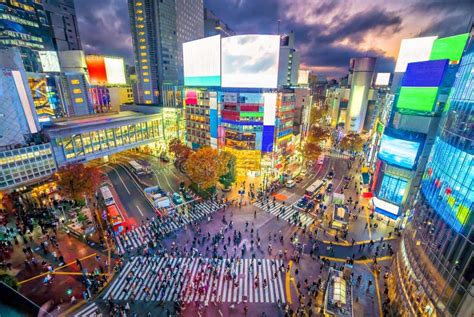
<point>392,188</point>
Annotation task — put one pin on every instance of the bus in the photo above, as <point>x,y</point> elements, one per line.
<point>314,188</point>
<point>107,195</point>
<point>115,218</point>
<point>137,168</point>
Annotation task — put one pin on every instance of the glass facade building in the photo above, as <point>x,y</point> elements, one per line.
<point>435,265</point>
<point>20,166</point>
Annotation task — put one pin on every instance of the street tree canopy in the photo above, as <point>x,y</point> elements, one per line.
<point>206,165</point>
<point>228,178</point>
<point>312,151</point>
<point>352,142</point>
<point>180,150</point>
<point>76,180</point>
<point>317,134</point>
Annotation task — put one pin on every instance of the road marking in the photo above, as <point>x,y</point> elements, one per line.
<point>287,283</point>
<point>141,213</point>
<point>121,180</point>
<point>377,290</point>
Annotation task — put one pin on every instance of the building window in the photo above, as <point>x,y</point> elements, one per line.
<point>79,100</point>
<point>145,73</point>
<point>143,54</point>
<point>147,101</point>
<point>139,4</point>
<point>147,92</point>
<point>142,47</point>
<point>142,40</point>
<point>76,91</point>
<point>144,67</point>
<point>75,81</point>
<point>146,80</point>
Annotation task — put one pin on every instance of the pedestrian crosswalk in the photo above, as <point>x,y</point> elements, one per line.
<point>143,234</point>
<point>199,280</point>
<point>89,310</point>
<point>285,212</point>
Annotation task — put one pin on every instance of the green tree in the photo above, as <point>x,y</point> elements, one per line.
<point>77,180</point>
<point>9,279</point>
<point>228,178</point>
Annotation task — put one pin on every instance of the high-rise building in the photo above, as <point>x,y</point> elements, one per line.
<point>434,268</point>
<point>26,27</point>
<point>289,61</point>
<point>62,18</point>
<point>215,26</point>
<point>159,27</point>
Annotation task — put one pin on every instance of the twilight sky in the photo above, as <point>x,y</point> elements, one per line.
<point>328,32</point>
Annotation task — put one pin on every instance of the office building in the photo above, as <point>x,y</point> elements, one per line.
<point>289,61</point>
<point>361,71</point>
<point>62,18</point>
<point>215,26</point>
<point>45,91</point>
<point>75,94</point>
<point>159,27</point>
<point>26,27</point>
<point>434,266</point>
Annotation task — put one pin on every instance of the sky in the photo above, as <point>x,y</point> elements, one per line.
<point>328,32</point>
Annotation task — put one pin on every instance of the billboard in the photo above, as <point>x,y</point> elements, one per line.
<point>414,50</point>
<point>269,108</point>
<point>96,68</point>
<point>250,61</point>
<point>449,47</point>
<point>418,99</point>
<point>382,79</point>
<point>202,62</point>
<point>303,76</point>
<point>115,70</point>
<point>425,74</point>
<point>399,152</point>
<point>49,61</point>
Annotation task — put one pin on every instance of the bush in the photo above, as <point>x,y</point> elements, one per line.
<point>206,194</point>
<point>10,280</point>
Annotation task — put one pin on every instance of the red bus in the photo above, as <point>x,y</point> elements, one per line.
<point>115,218</point>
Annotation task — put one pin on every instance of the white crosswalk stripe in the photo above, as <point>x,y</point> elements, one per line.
<point>199,279</point>
<point>88,311</point>
<point>143,234</point>
<point>285,212</point>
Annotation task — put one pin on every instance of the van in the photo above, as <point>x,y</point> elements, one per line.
<point>290,183</point>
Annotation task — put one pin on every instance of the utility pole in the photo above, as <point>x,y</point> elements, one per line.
<point>279,26</point>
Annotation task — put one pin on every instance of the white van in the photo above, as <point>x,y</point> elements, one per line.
<point>290,183</point>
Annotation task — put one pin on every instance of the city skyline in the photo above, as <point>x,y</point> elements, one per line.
<point>327,33</point>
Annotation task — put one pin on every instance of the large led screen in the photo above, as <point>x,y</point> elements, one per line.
<point>425,74</point>
<point>417,99</point>
<point>303,77</point>
<point>250,61</point>
<point>49,61</point>
<point>398,152</point>
<point>449,47</point>
<point>115,69</point>
<point>202,62</point>
<point>414,50</point>
<point>96,68</point>
<point>382,79</point>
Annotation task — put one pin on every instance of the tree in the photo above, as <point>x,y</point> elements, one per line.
<point>9,280</point>
<point>181,151</point>
<point>352,142</point>
<point>228,178</point>
<point>206,166</point>
<point>76,181</point>
<point>317,113</point>
<point>318,134</point>
<point>311,151</point>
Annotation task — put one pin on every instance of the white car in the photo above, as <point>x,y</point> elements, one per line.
<point>290,183</point>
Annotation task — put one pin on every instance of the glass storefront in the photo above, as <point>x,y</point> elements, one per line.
<point>393,188</point>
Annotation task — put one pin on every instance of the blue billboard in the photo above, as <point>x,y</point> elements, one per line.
<point>399,152</point>
<point>425,74</point>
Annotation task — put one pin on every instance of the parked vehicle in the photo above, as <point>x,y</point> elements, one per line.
<point>290,183</point>
<point>177,199</point>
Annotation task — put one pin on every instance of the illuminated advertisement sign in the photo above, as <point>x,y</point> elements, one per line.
<point>414,50</point>
<point>447,184</point>
<point>49,61</point>
<point>385,208</point>
<point>425,74</point>
<point>96,68</point>
<point>202,62</point>
<point>382,79</point>
<point>418,99</point>
<point>115,69</point>
<point>250,61</point>
<point>399,152</point>
<point>269,108</point>
<point>449,47</point>
<point>303,77</point>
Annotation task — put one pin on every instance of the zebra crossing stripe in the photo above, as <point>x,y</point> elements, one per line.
<point>89,310</point>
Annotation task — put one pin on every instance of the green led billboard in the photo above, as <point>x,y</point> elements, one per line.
<point>449,47</point>
<point>419,99</point>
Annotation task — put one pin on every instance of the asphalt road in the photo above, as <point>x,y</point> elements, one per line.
<point>129,192</point>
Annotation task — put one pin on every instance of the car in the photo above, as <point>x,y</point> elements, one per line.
<point>318,197</point>
<point>310,205</point>
<point>329,188</point>
<point>330,175</point>
<point>188,196</point>
<point>298,179</point>
<point>177,199</point>
<point>302,202</point>
<point>181,186</point>
<point>290,183</point>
